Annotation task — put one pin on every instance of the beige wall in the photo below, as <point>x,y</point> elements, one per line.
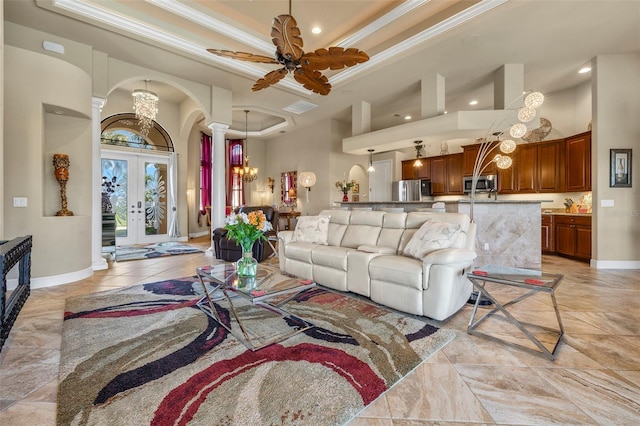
<point>616,106</point>
<point>35,83</point>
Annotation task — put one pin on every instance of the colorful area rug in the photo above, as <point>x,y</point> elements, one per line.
<point>149,251</point>
<point>147,355</point>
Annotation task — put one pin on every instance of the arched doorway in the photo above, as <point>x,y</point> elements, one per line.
<point>135,181</point>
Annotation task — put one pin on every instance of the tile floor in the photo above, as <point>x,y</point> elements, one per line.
<point>594,380</point>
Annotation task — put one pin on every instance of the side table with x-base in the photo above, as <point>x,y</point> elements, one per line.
<point>533,281</point>
<point>268,285</point>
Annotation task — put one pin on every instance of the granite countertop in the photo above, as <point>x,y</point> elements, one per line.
<point>502,201</point>
<point>566,214</point>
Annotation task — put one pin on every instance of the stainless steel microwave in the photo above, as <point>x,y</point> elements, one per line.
<point>487,183</point>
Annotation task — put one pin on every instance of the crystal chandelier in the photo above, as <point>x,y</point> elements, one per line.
<point>247,174</point>
<point>145,105</point>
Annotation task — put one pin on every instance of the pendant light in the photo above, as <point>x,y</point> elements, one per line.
<point>418,163</point>
<point>371,168</point>
<point>247,174</point>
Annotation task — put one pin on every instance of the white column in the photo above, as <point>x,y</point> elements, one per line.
<point>97,261</point>
<point>218,190</point>
<point>360,118</point>
<point>508,86</point>
<point>432,94</point>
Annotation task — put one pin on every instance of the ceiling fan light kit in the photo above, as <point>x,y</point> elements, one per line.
<point>305,67</point>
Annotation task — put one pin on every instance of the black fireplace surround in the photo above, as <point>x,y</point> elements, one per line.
<point>14,252</point>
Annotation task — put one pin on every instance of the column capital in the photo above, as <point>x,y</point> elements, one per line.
<point>98,102</point>
<point>218,127</point>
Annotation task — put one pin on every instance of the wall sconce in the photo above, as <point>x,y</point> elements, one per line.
<point>270,183</point>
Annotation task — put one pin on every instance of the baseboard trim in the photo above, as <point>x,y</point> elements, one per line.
<point>198,234</point>
<point>615,264</point>
<point>53,280</point>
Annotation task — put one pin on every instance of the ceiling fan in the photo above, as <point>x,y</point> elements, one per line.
<point>305,67</point>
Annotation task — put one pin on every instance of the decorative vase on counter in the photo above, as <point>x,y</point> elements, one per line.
<point>345,197</point>
<point>247,266</point>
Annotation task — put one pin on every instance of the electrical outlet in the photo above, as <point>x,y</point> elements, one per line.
<point>486,246</point>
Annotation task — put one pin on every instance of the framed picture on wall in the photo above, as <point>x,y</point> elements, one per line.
<point>356,198</point>
<point>356,188</point>
<point>620,168</point>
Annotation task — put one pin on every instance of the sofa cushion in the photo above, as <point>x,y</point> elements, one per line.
<point>401,270</point>
<point>432,235</point>
<point>312,229</point>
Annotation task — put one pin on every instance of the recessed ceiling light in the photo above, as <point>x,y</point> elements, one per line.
<point>584,70</point>
<point>473,102</point>
<point>316,30</point>
<point>446,112</point>
<point>407,117</point>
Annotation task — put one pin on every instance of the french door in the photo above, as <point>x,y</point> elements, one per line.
<point>136,187</point>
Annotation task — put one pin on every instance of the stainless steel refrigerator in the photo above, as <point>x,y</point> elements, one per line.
<point>410,190</point>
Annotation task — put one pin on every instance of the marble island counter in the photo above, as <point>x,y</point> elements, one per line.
<point>508,231</point>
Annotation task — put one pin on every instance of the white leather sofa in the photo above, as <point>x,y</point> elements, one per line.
<point>364,253</point>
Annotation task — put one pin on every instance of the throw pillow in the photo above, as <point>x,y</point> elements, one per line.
<point>312,229</point>
<point>431,236</point>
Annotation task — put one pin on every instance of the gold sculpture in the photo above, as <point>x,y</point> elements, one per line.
<point>61,166</point>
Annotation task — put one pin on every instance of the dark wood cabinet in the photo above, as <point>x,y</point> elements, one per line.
<point>408,171</point>
<point>411,172</point>
<point>454,174</point>
<point>573,236</point>
<point>550,166</point>
<point>507,180</point>
<point>578,163</point>
<point>469,154</point>
<point>438,175</point>
<point>538,167</point>
<point>548,242</point>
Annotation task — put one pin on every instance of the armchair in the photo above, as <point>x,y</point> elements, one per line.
<point>227,249</point>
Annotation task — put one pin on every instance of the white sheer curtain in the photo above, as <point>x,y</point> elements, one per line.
<point>174,230</point>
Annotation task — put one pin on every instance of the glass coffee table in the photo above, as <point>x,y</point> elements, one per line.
<point>532,282</point>
<point>269,290</point>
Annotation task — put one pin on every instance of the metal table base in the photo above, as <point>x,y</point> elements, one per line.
<point>207,305</point>
<point>479,282</point>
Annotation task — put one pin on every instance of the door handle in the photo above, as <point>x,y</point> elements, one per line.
<point>139,204</point>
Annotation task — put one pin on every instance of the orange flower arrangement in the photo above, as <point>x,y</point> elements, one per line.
<point>247,228</point>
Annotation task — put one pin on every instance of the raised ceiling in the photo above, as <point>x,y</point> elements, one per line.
<point>464,41</point>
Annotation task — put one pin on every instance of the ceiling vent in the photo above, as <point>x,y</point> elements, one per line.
<point>300,107</point>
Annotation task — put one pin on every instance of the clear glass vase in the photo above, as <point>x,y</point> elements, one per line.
<point>247,266</point>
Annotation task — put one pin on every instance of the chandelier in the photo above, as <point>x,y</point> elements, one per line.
<point>145,105</point>
<point>247,174</point>
<point>418,147</point>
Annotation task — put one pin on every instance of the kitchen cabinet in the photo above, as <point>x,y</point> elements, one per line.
<point>438,175</point>
<point>578,163</point>
<point>454,174</point>
<point>446,174</point>
<point>539,167</point>
<point>548,242</point>
<point>573,236</point>
<point>411,172</point>
<point>469,154</point>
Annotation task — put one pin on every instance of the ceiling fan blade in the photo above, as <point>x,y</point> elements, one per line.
<point>243,56</point>
<point>335,58</point>
<point>286,37</point>
<point>269,79</point>
<point>312,80</point>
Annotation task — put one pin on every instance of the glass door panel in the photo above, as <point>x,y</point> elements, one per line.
<point>140,197</point>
